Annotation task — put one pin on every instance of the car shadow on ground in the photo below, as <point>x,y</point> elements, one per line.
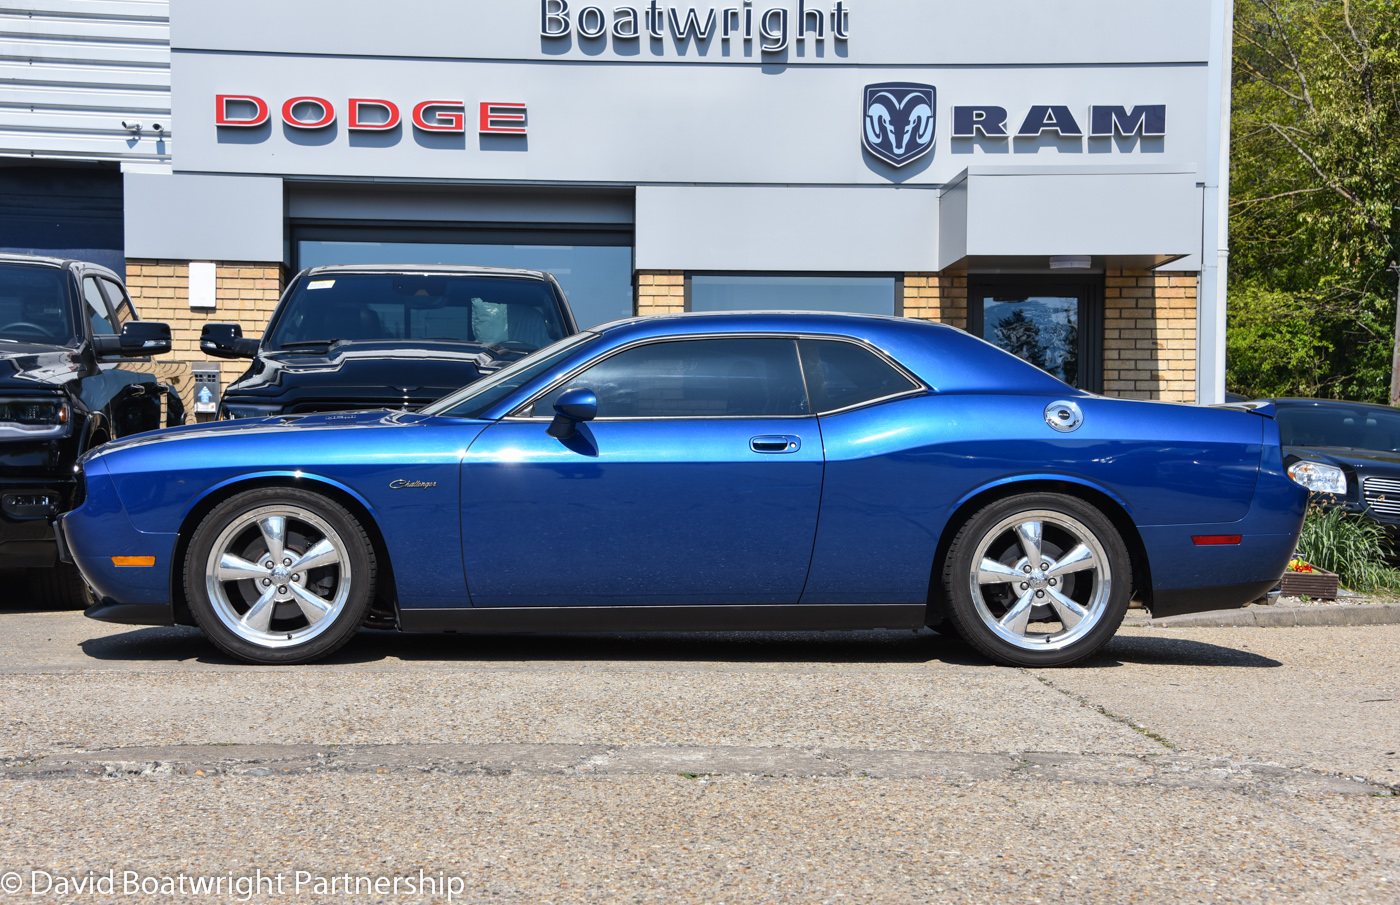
<point>183,644</point>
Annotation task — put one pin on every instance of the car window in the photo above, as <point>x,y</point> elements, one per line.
<point>841,374</point>
<point>519,314</point>
<point>34,304</point>
<point>121,304</point>
<point>1339,426</point>
<point>96,308</point>
<point>709,378</point>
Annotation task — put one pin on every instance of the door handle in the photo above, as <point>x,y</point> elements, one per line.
<point>775,444</point>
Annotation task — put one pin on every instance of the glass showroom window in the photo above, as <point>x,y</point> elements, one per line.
<point>596,278</point>
<point>759,292</point>
<point>1052,322</point>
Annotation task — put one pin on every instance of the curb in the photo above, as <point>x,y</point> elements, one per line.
<point>1283,616</point>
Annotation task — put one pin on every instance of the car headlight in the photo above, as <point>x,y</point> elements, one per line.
<point>34,419</point>
<point>1319,478</point>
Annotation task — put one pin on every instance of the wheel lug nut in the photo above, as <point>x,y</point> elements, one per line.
<point>1044,565</point>
<point>267,581</point>
<point>281,589</point>
<point>296,577</point>
<point>1026,569</point>
<point>1052,582</point>
<point>1040,593</point>
<point>1024,585</point>
<point>286,562</point>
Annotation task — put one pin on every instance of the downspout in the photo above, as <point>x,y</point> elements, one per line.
<point>1215,232</point>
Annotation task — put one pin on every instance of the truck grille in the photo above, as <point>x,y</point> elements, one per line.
<point>1382,496</point>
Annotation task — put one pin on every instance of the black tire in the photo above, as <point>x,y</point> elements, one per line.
<point>222,607</point>
<point>60,587</point>
<point>983,612</point>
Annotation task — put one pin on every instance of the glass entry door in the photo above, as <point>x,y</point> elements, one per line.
<point>1053,322</point>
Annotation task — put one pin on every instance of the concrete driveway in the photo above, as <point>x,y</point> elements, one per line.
<point>1186,765</point>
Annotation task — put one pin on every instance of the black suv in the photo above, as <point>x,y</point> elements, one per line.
<point>368,336</point>
<point>65,329</point>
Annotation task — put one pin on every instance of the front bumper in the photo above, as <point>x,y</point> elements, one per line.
<point>27,541</point>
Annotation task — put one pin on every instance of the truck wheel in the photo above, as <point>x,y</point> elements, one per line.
<point>60,588</point>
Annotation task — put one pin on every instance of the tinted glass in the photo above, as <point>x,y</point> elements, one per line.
<point>1339,426</point>
<point>840,375</point>
<point>517,314</point>
<point>96,307</point>
<point>121,305</point>
<point>710,378</point>
<point>474,400</point>
<point>34,304</point>
<point>596,278</point>
<point>864,295</point>
<point>1040,329</point>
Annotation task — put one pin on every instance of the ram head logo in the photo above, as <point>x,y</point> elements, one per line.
<point>899,121</point>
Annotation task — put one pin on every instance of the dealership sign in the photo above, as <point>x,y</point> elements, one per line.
<point>365,114</point>
<point>773,28</point>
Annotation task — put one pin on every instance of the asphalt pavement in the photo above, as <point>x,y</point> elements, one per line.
<point>1183,764</point>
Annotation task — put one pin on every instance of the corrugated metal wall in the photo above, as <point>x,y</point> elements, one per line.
<point>71,71</point>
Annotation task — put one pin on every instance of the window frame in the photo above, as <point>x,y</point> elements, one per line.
<point>919,388</point>
<point>110,315</point>
<point>846,274</point>
<point>1087,287</point>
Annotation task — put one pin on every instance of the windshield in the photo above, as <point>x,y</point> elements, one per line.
<point>34,304</point>
<point>514,313</point>
<point>1348,427</point>
<point>476,398</point>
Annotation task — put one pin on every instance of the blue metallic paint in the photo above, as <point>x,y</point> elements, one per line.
<point>685,512</point>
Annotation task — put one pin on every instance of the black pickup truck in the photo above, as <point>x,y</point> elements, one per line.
<point>66,330</point>
<point>392,336</point>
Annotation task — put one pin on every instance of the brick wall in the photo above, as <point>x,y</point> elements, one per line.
<point>939,297</point>
<point>660,292</point>
<point>245,293</point>
<point>1150,335</point>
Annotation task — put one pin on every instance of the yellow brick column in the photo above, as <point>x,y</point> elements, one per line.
<point>660,292</point>
<point>245,293</point>
<point>938,297</point>
<point>1150,335</point>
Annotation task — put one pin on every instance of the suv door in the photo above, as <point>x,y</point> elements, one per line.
<point>698,483</point>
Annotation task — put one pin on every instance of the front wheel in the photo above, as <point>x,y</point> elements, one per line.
<point>1038,579</point>
<point>279,576</point>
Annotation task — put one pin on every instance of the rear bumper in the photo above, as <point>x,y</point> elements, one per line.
<point>1180,601</point>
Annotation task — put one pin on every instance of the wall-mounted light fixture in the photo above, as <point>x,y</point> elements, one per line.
<point>1071,262</point>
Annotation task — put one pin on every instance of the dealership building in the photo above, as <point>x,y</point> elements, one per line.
<point>1052,177</point>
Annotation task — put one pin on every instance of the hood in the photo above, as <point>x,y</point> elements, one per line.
<point>26,367</point>
<point>277,424</point>
<point>1359,459</point>
<point>365,373</point>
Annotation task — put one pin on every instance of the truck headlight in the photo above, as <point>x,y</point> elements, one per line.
<point>1319,478</point>
<point>34,419</point>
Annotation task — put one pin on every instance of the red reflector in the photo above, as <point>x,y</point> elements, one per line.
<point>1216,540</point>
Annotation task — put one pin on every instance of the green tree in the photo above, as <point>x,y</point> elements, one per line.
<point>1315,180</point>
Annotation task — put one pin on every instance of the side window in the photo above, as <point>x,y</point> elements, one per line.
<point>708,378</point>
<point>841,374</point>
<point>97,312</point>
<point>121,304</point>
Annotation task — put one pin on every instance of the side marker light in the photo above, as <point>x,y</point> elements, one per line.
<point>133,560</point>
<point>1217,540</point>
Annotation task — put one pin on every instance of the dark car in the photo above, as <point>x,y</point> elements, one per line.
<point>65,329</point>
<point>1346,451</point>
<point>369,336</point>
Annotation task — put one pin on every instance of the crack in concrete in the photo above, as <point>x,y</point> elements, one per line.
<point>581,761</point>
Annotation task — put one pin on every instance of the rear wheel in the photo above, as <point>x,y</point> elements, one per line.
<point>1037,580</point>
<point>279,576</point>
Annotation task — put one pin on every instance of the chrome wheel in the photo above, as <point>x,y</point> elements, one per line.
<point>1040,580</point>
<point>278,576</point>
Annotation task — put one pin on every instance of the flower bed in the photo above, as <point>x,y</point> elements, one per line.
<point>1305,580</point>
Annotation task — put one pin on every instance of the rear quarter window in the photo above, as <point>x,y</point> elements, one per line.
<point>841,375</point>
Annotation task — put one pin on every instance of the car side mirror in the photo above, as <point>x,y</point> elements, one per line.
<point>226,341</point>
<point>571,408</point>
<point>137,338</point>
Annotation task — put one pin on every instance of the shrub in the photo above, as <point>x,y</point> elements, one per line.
<point>1356,548</point>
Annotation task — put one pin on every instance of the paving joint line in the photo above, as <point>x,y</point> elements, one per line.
<point>1140,728</point>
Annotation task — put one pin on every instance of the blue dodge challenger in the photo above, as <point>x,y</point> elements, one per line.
<point>737,472</point>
